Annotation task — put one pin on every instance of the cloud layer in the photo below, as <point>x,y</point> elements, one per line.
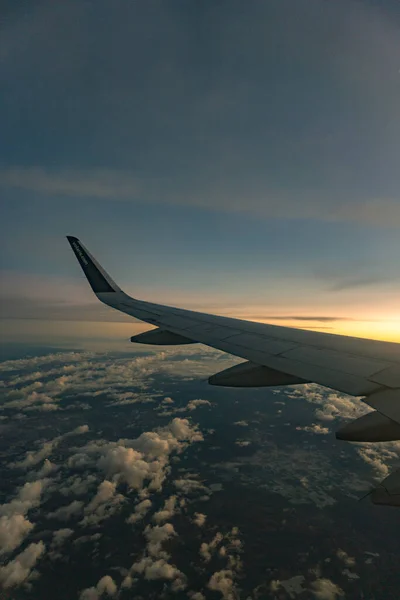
<point>169,483</point>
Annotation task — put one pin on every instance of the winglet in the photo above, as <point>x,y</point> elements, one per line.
<point>97,277</point>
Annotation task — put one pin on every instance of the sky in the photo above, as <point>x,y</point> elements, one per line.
<point>235,158</point>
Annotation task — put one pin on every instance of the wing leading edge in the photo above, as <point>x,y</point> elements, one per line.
<point>275,355</point>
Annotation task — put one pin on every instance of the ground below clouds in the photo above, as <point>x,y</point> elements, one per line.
<point>126,475</point>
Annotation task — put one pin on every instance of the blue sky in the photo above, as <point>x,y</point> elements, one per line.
<point>237,157</point>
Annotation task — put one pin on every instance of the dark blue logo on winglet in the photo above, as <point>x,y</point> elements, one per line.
<point>98,282</point>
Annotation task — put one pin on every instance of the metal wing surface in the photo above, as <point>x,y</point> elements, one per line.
<point>274,355</point>
<point>355,366</point>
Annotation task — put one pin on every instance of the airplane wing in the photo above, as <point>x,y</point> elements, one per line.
<point>274,355</point>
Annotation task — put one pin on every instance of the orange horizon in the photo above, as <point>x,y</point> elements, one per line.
<point>387,329</point>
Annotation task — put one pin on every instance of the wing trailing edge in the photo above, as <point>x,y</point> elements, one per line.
<point>249,374</point>
<point>161,337</point>
<point>388,492</point>
<point>372,427</point>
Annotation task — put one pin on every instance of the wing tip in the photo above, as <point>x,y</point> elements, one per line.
<point>98,279</point>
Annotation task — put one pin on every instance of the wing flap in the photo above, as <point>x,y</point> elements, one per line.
<point>389,377</point>
<point>372,427</point>
<point>388,492</point>
<point>343,382</point>
<point>386,402</point>
<point>250,375</point>
<point>160,337</point>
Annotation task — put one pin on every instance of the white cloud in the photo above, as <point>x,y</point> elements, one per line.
<point>75,375</point>
<point>106,586</point>
<point>141,510</point>
<point>167,512</point>
<point>193,404</point>
<point>105,503</point>
<point>156,569</point>
<point>61,535</point>
<point>153,445</point>
<point>28,497</point>
<point>376,457</point>
<point>274,585</point>
<point>179,583</point>
<point>19,569</point>
<point>222,581</point>
<point>105,492</point>
<point>126,465</point>
<point>145,458</point>
<point>314,428</point>
<point>13,530</point>
<point>45,407</point>
<point>127,582</point>
<point>217,539</point>
<point>71,376</point>
<point>89,594</point>
<point>189,486</point>
<point>335,406</point>
<point>127,398</point>
<point>349,561</point>
<point>331,405</point>
<point>241,423</point>
<point>205,552</point>
<point>14,527</point>
<point>292,586</point>
<point>325,589</point>
<point>196,596</point>
<point>47,468</point>
<point>155,565</point>
<point>199,519</point>
<point>208,549</point>
<point>156,536</point>
<point>184,431</point>
<point>350,575</point>
<point>78,430</point>
<point>33,458</point>
<point>32,401</point>
<point>153,450</point>
<point>64,513</point>
<point>76,485</point>
<point>26,364</point>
